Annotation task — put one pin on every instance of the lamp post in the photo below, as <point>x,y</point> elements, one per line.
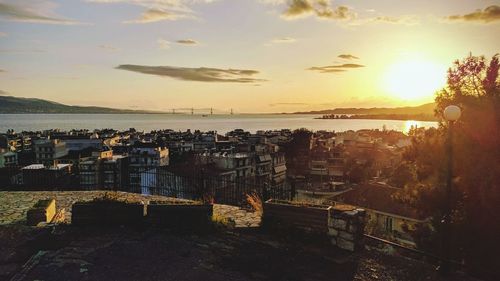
<point>451,114</point>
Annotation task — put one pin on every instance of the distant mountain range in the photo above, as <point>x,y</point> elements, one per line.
<point>425,109</point>
<point>9,104</point>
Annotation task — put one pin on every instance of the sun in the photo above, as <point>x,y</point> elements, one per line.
<point>414,80</point>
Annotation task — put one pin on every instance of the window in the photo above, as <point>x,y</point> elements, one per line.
<point>388,224</point>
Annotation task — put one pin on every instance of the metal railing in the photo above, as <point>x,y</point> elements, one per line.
<point>152,181</point>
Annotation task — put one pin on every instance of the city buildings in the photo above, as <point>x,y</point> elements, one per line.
<point>49,150</point>
<point>42,176</point>
<point>143,157</point>
<point>123,159</point>
<point>8,159</point>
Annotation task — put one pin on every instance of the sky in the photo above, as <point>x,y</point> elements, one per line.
<point>251,56</point>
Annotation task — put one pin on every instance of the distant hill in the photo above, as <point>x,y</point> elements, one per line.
<point>425,109</point>
<point>9,104</point>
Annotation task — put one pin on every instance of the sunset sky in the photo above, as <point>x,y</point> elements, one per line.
<point>250,55</point>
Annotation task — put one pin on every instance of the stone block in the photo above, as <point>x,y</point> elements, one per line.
<point>339,224</point>
<point>345,244</point>
<point>361,212</point>
<point>346,235</point>
<point>333,232</point>
<point>334,241</point>
<point>42,211</point>
<point>352,228</point>
<point>352,213</point>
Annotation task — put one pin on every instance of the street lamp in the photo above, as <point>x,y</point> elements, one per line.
<point>451,114</point>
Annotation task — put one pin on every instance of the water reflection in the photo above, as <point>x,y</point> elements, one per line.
<point>411,124</point>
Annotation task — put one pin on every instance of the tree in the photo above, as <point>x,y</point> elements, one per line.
<point>297,151</point>
<point>472,84</point>
<point>403,175</point>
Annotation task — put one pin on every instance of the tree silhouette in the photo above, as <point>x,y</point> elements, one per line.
<point>473,85</point>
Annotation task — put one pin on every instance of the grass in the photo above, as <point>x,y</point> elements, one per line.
<point>222,222</point>
<point>255,203</point>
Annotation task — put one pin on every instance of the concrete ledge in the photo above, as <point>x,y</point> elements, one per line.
<point>42,211</point>
<point>307,217</point>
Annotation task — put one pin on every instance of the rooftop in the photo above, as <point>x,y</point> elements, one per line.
<point>41,166</point>
<point>378,197</point>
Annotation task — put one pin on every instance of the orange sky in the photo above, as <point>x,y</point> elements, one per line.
<point>249,55</point>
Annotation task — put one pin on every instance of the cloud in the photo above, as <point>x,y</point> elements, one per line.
<point>187,42</point>
<point>284,40</point>
<point>335,68</point>
<point>326,69</point>
<point>34,12</point>
<point>320,8</point>
<point>156,15</point>
<point>108,47</point>
<point>3,34</point>
<point>347,57</point>
<point>3,93</point>
<point>488,15</point>
<point>2,71</point>
<point>200,74</point>
<point>164,44</point>
<point>159,10</point>
<point>406,20</point>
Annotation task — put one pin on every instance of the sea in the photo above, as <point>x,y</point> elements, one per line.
<point>219,123</point>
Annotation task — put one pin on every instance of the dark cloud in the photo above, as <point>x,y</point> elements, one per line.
<point>298,7</point>
<point>26,14</point>
<point>201,74</point>
<point>320,8</point>
<point>326,69</point>
<point>348,57</point>
<point>335,68</point>
<point>488,15</point>
<point>187,42</point>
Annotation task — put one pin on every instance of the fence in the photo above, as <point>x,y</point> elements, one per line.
<point>152,181</point>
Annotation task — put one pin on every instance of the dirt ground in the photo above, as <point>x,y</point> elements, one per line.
<point>71,253</point>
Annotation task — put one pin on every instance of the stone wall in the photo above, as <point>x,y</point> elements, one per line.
<point>345,226</point>
<point>42,211</point>
<point>14,205</point>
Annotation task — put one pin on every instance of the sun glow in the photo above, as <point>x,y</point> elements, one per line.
<point>411,124</point>
<point>414,80</point>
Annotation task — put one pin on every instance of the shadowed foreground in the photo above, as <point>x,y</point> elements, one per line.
<point>71,253</point>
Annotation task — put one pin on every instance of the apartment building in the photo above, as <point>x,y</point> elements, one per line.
<point>49,150</point>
